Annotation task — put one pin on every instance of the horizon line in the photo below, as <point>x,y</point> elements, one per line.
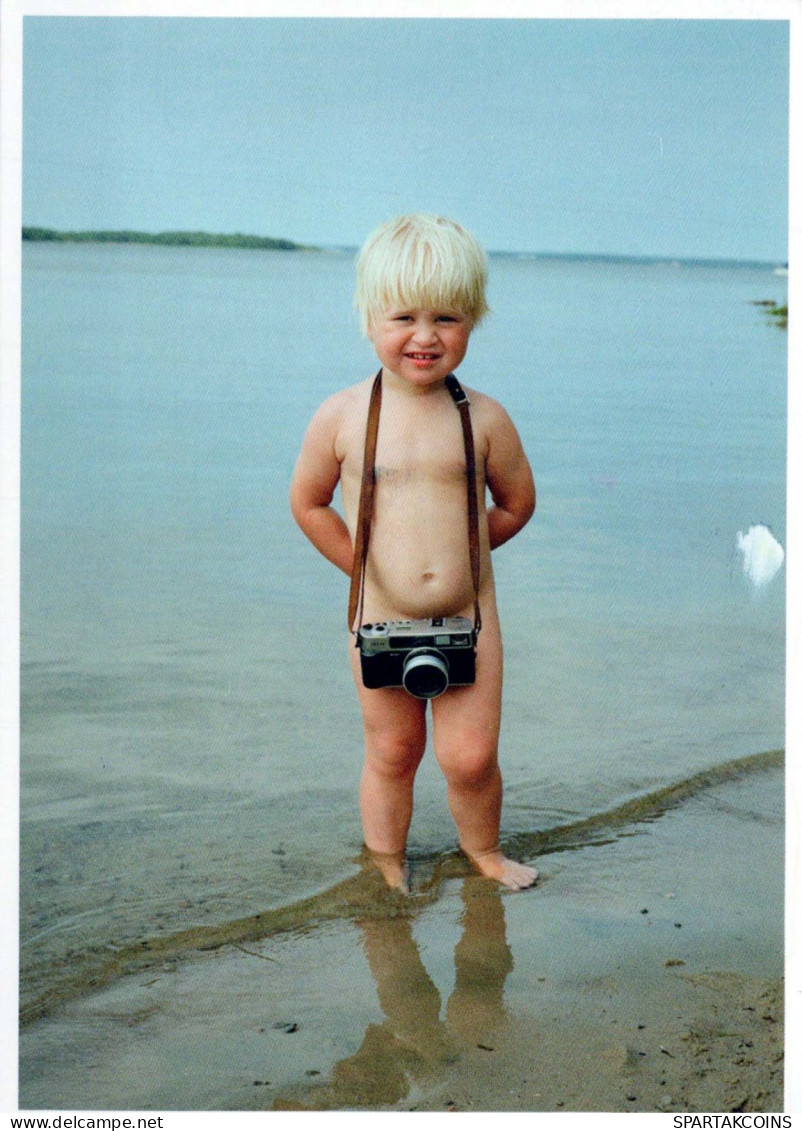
<point>199,237</point>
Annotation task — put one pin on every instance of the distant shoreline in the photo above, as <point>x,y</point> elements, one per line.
<point>164,239</point>
<point>271,243</point>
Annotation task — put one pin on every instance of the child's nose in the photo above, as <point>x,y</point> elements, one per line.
<point>424,332</point>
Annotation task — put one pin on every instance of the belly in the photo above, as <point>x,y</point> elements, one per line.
<point>419,562</point>
<point>429,589</point>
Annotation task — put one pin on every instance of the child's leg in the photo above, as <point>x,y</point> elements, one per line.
<point>395,739</point>
<point>466,729</point>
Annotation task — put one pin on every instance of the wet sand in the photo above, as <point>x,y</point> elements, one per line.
<point>644,973</point>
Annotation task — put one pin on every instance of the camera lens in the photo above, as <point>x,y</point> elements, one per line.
<point>425,673</point>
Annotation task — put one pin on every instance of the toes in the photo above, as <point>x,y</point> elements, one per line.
<point>510,873</point>
<point>517,876</point>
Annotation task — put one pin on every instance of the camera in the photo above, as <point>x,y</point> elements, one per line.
<point>423,656</point>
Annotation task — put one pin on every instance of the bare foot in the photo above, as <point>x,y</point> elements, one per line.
<point>493,864</point>
<point>393,867</point>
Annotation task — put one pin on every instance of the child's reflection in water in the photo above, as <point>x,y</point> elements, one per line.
<point>412,1043</point>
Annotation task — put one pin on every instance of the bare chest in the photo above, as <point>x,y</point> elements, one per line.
<point>402,468</point>
<point>419,445</point>
<point>419,454</point>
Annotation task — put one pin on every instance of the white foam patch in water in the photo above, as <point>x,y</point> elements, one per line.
<point>763,554</point>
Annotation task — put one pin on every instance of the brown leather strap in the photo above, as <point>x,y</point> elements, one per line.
<point>366,492</point>
<point>463,404</point>
<point>362,535</point>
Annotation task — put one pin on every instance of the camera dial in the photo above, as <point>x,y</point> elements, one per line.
<point>425,673</point>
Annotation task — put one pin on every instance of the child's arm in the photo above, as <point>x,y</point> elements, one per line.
<point>314,480</point>
<point>509,478</point>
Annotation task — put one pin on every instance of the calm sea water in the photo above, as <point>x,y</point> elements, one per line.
<point>191,741</point>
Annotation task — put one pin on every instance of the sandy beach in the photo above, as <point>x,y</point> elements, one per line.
<point>644,973</point>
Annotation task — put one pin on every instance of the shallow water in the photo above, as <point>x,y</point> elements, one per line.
<point>190,738</point>
<point>476,994</point>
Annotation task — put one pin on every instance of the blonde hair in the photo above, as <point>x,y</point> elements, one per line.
<point>420,261</point>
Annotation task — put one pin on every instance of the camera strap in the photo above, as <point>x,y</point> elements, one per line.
<point>460,399</point>
<point>367,489</point>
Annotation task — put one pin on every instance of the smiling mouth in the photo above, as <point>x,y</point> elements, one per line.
<point>424,356</point>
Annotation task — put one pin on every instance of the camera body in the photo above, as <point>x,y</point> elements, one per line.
<point>423,656</point>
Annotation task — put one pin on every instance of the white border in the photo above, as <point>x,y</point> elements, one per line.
<point>10,336</point>
<point>419,9</point>
<point>793,700</point>
<point>11,16</point>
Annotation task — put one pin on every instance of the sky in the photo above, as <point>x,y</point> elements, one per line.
<point>610,136</point>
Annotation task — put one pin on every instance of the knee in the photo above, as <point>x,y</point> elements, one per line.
<point>472,764</point>
<point>394,756</point>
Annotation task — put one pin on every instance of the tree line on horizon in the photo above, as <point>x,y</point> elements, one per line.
<point>167,239</point>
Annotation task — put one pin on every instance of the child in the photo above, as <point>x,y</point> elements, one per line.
<point>420,292</point>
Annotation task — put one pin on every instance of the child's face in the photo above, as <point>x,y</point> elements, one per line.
<point>421,346</point>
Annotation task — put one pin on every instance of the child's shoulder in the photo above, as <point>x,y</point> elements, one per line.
<point>494,429</point>
<point>339,422</point>
<point>337,408</point>
<point>486,410</point>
